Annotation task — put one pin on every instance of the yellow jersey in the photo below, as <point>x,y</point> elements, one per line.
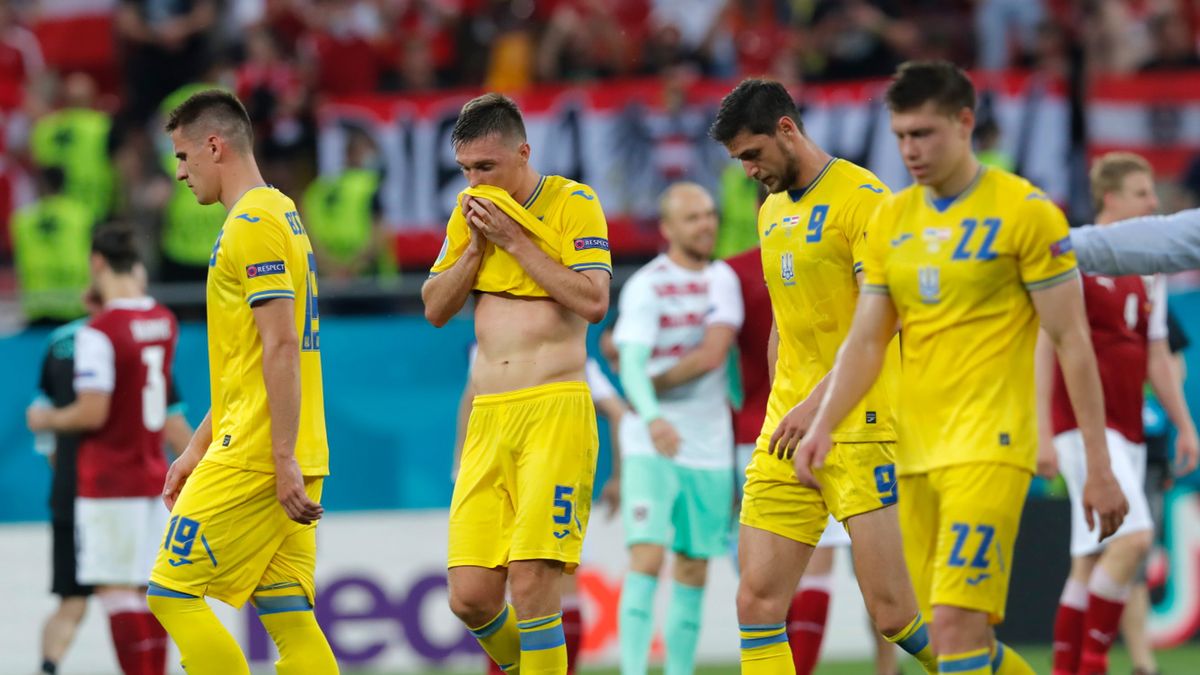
<point>812,243</point>
<point>261,253</point>
<point>960,272</point>
<point>562,217</point>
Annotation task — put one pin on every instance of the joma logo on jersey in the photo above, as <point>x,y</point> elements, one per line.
<point>591,242</point>
<point>265,268</point>
<point>929,284</point>
<point>787,268</point>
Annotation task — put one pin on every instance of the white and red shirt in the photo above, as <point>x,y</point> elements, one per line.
<point>126,351</point>
<point>668,308</point>
<point>1125,314</point>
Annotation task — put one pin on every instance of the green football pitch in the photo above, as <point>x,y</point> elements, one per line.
<point>1170,662</point>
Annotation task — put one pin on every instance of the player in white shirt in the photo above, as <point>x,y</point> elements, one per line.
<point>677,466</point>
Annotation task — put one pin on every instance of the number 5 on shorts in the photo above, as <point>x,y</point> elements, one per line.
<point>563,508</point>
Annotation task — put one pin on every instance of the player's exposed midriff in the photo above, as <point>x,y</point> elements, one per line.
<point>526,342</point>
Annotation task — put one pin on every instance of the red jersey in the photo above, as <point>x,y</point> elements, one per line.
<point>1119,311</point>
<point>126,351</point>
<point>752,346</point>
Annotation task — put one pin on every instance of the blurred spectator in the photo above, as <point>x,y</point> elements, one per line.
<point>593,38</point>
<point>692,31</point>
<point>505,33</point>
<point>1174,48</point>
<point>412,68</point>
<point>861,38</point>
<point>987,145</point>
<point>340,47</point>
<point>1117,36</point>
<point>343,216</point>
<point>1001,26</point>
<point>76,140</point>
<point>272,88</point>
<point>762,33</point>
<point>52,239</point>
<point>20,58</point>
<point>421,52</point>
<point>738,229</point>
<point>164,45</point>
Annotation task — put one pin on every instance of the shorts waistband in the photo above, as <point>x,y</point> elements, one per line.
<point>531,393</point>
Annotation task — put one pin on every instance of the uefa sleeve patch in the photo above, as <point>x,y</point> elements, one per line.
<point>263,269</point>
<point>1061,246</point>
<point>584,243</point>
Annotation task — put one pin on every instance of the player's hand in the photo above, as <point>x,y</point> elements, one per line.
<point>1104,505</point>
<point>478,242</point>
<point>611,496</point>
<point>37,417</point>
<point>1187,450</point>
<point>289,489</point>
<point>177,475</point>
<point>792,428</point>
<point>664,437</point>
<point>494,223</point>
<point>811,453</point>
<point>1047,459</point>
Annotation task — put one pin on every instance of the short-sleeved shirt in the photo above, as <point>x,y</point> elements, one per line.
<point>812,242</point>
<point>262,253</point>
<point>668,308</point>
<point>564,219</point>
<point>959,272</point>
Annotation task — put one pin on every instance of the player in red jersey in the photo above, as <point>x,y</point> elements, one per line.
<point>1127,316</point>
<point>122,373</point>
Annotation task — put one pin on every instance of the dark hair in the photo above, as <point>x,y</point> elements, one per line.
<point>917,82</point>
<point>53,179</point>
<point>485,115</point>
<point>219,109</point>
<point>115,243</point>
<point>754,106</point>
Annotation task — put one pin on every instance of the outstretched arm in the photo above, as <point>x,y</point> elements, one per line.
<point>1147,245</point>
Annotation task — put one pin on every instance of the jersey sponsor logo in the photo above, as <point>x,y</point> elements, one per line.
<point>581,193</point>
<point>247,217</point>
<point>929,284</point>
<point>901,239</point>
<point>873,188</point>
<point>1037,195</point>
<point>787,268</point>
<point>978,579</point>
<point>1062,246</point>
<point>584,243</point>
<point>1005,439</point>
<point>263,269</point>
<point>225,441</point>
<point>871,417</point>
<point>770,229</point>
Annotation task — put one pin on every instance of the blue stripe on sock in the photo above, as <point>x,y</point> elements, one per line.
<point>489,629</point>
<point>546,638</point>
<point>913,644</point>
<point>762,626</point>
<point>538,623</point>
<point>155,589</point>
<point>999,657</point>
<point>751,643</point>
<point>276,604</point>
<point>967,664</point>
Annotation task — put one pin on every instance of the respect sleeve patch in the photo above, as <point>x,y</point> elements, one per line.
<point>584,243</point>
<point>263,269</point>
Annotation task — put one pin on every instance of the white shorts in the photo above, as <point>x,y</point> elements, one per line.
<point>1128,466</point>
<point>118,539</point>
<point>834,536</point>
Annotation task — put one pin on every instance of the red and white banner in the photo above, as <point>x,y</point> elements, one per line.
<point>1156,115</point>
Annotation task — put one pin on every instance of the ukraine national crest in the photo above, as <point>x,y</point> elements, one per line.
<point>929,284</point>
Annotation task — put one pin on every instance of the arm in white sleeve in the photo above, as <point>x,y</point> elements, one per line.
<point>1146,245</point>
<point>95,362</point>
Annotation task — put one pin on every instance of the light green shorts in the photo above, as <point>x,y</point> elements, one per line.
<point>688,510</point>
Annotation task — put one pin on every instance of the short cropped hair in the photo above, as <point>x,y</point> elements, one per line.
<point>1109,171</point>
<point>754,106</point>
<point>116,244</point>
<point>918,82</point>
<point>220,112</point>
<point>485,115</point>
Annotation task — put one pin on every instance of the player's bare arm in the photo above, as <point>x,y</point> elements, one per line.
<point>177,433</point>
<point>585,293</point>
<point>445,294</point>
<point>613,409</point>
<point>87,413</point>
<point>1061,311</point>
<point>1164,380</point>
<point>186,462</point>
<point>709,355</point>
<point>858,365</point>
<point>275,319</point>
<point>1043,378</point>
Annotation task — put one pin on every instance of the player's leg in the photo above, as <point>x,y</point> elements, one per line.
<point>810,606</point>
<point>650,488</point>
<point>59,630</point>
<point>284,599</point>
<point>1068,619</point>
<point>979,514</point>
<point>572,620</point>
<point>684,613</point>
<point>1137,608</point>
<point>535,589</point>
<point>781,523</point>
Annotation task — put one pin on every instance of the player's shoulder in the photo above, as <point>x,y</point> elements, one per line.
<point>66,332</point>
<point>564,188</point>
<point>264,204</point>
<point>855,180</point>
<point>719,270</point>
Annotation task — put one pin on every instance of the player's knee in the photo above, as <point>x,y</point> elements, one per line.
<point>957,630</point>
<point>691,571</point>
<point>473,607</point>
<point>756,603</point>
<point>646,559</point>
<point>1136,545</point>
<point>534,586</point>
<point>73,608</point>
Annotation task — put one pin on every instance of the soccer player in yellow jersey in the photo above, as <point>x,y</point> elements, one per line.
<point>244,495</point>
<point>968,260</point>
<point>811,231</point>
<point>534,251</point>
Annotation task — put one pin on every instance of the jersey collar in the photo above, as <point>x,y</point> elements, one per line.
<point>798,193</point>
<point>537,192</point>
<point>942,204</point>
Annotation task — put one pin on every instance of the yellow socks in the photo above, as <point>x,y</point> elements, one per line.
<point>288,617</point>
<point>914,639</point>
<point>974,662</point>
<point>765,650</point>
<point>205,647</point>
<point>543,647</point>
<point>1006,661</point>
<point>499,638</point>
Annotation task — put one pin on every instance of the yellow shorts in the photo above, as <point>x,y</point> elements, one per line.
<point>960,525</point>
<point>228,535</point>
<point>524,488</point>
<point>857,478</point>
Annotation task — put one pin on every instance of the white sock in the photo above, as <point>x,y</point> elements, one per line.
<point>1104,586</point>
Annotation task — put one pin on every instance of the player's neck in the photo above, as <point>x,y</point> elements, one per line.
<point>959,179</point>
<point>681,258</point>
<point>528,184</point>
<point>1104,219</point>
<point>120,287</point>
<point>812,162</point>
<point>240,178</point>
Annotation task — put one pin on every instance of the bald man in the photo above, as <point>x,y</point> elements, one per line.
<point>679,313</point>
